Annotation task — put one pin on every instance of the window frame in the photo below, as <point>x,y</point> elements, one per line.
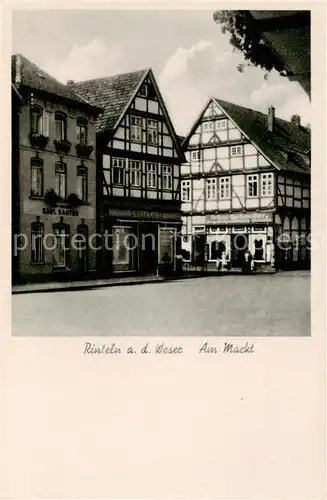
<point>37,228</point>
<point>238,150</point>
<point>119,167</point>
<point>36,164</point>
<point>196,155</point>
<point>36,110</point>
<point>186,187</point>
<point>135,173</point>
<point>58,177</point>
<point>252,179</point>
<point>61,118</point>
<point>82,177</point>
<point>143,92</point>
<point>136,127</point>
<point>221,124</point>
<point>154,140</point>
<point>211,189</point>
<point>152,175</point>
<point>265,177</point>
<point>167,177</point>
<point>224,185</point>
<point>81,123</point>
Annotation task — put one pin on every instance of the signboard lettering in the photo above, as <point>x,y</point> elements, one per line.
<point>60,211</point>
<point>240,218</point>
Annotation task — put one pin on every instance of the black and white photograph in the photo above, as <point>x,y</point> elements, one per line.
<point>164,148</point>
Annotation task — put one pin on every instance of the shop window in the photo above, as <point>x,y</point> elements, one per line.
<point>151,174</point>
<point>61,126</point>
<point>136,129</point>
<point>122,247</point>
<point>118,171</point>
<point>37,233</point>
<point>82,183</point>
<point>61,250</point>
<point>167,240</point>
<point>81,131</point>
<point>61,180</point>
<point>252,186</point>
<point>186,191</point>
<point>36,177</point>
<point>167,177</point>
<point>135,173</point>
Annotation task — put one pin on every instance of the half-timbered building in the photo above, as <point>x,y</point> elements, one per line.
<point>138,169</point>
<point>246,186</point>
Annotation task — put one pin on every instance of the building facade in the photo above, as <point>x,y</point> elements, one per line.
<point>246,186</point>
<point>53,177</point>
<point>138,168</point>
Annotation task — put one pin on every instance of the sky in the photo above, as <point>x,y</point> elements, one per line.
<point>190,57</point>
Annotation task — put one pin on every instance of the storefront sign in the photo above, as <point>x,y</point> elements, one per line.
<point>143,214</point>
<point>239,218</point>
<point>60,211</point>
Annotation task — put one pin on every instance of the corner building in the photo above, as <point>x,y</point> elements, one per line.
<point>138,169</point>
<point>246,185</point>
<point>53,177</point>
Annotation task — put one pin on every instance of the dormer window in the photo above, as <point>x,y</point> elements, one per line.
<point>61,126</point>
<point>81,131</point>
<point>143,91</point>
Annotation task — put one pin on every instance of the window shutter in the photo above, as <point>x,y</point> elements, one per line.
<point>45,124</point>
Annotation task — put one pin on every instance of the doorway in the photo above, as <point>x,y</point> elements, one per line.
<point>148,248</point>
<point>240,243</point>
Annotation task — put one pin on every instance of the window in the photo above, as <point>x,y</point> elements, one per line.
<point>208,126</point>
<point>224,188</point>
<point>167,177</point>
<point>61,126</point>
<point>37,232</point>
<point>62,246</point>
<point>221,124</point>
<point>39,121</point>
<point>82,247</point>
<point>151,175</point>
<point>266,184</point>
<point>81,131</point>
<point>236,150</point>
<point>36,177</point>
<point>136,128</point>
<point>252,186</point>
<point>135,172</point>
<point>196,155</point>
<point>82,183</point>
<point>60,179</point>
<point>118,166</point>
<point>143,90</point>
<point>152,131</point>
<point>186,190</point>
<point>211,189</point>
<point>122,246</point>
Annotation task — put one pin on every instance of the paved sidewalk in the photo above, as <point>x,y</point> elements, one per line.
<point>83,285</point>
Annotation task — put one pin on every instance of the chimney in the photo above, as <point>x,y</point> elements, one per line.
<point>70,83</point>
<point>296,120</point>
<point>18,76</point>
<point>271,118</point>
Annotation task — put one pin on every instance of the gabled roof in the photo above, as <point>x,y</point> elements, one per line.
<point>33,77</point>
<point>112,93</point>
<point>286,147</point>
<point>115,94</point>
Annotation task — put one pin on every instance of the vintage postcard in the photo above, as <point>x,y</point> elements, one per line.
<point>166,164</point>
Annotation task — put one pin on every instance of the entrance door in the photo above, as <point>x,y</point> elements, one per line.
<point>149,248</point>
<point>239,245</point>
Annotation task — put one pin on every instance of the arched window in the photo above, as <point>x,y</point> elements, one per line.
<point>36,120</point>
<point>36,177</point>
<point>61,180</point>
<point>81,131</point>
<point>61,126</point>
<point>82,183</point>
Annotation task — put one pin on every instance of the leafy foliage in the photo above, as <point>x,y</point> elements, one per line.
<point>243,36</point>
